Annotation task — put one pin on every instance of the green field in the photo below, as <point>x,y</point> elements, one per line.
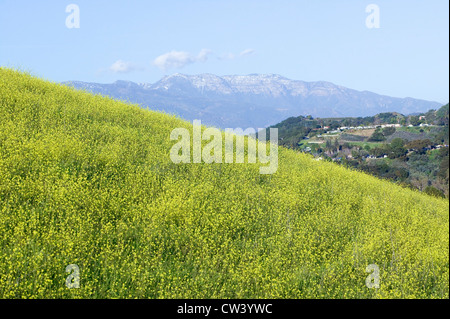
<point>87,180</point>
<point>364,144</point>
<point>414,129</point>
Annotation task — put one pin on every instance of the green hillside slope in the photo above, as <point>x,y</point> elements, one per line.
<point>87,180</point>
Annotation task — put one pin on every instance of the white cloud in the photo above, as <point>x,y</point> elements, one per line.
<point>247,52</point>
<point>203,55</point>
<point>179,59</point>
<point>232,56</point>
<point>122,67</point>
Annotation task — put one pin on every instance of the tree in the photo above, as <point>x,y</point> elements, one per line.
<point>355,154</point>
<point>397,142</point>
<point>377,136</point>
<point>414,120</point>
<point>419,146</point>
<point>444,169</point>
<point>378,151</point>
<point>402,121</point>
<point>334,125</point>
<point>442,115</point>
<point>396,148</point>
<point>387,131</point>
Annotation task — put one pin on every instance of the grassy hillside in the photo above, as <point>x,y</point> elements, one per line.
<point>88,180</point>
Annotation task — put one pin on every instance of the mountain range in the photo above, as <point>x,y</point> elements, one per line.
<point>254,100</point>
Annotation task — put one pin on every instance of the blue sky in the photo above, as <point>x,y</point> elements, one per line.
<point>141,41</point>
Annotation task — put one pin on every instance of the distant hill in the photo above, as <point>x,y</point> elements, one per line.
<point>88,181</point>
<point>252,100</point>
<point>293,129</point>
<point>438,117</point>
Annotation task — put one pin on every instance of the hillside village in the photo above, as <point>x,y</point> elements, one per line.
<point>411,150</point>
<point>321,138</point>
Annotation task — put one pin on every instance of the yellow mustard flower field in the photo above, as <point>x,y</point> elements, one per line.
<point>88,180</point>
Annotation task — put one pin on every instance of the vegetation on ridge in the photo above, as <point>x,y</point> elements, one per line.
<point>410,150</point>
